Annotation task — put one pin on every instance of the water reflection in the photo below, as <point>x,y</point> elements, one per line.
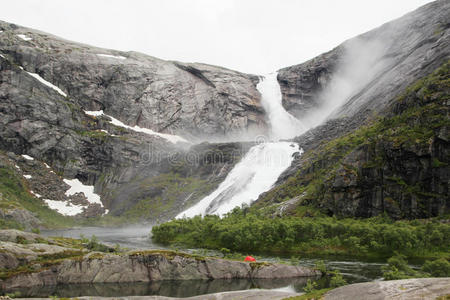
<point>169,288</point>
<point>139,237</point>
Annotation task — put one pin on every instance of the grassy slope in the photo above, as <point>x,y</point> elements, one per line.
<point>15,194</point>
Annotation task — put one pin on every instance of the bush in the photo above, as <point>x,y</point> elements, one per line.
<point>253,233</point>
<point>336,279</point>
<point>398,268</point>
<point>437,268</point>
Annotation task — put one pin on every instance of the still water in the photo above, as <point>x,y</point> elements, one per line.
<point>139,237</point>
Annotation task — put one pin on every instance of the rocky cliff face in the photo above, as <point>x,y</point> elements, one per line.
<point>363,75</point>
<point>397,164</point>
<point>193,100</point>
<point>52,91</point>
<point>108,118</point>
<point>402,173</point>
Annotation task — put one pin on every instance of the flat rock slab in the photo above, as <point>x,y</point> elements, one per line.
<point>255,294</point>
<point>411,289</point>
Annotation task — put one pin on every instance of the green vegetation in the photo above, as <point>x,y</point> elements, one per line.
<point>313,295</point>
<point>252,233</point>
<point>14,195</point>
<point>398,268</point>
<point>166,190</point>
<point>421,114</point>
<point>311,289</point>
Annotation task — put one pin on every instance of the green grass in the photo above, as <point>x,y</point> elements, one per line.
<point>15,194</point>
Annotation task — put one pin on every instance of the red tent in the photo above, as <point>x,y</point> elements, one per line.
<point>249,258</point>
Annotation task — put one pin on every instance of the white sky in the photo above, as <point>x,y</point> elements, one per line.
<point>254,36</point>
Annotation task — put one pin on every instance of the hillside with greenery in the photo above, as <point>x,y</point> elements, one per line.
<point>414,130</point>
<point>397,164</point>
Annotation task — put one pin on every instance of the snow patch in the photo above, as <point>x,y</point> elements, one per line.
<point>170,137</point>
<point>28,176</point>
<point>24,37</point>
<point>88,190</point>
<point>64,208</point>
<point>27,157</point>
<point>2,56</point>
<point>112,56</point>
<point>47,166</point>
<point>94,113</point>
<point>43,81</point>
<point>35,194</point>
<point>17,167</point>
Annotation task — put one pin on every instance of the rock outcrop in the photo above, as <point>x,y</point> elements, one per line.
<point>417,288</point>
<point>28,260</point>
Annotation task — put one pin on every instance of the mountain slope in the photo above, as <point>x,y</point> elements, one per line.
<point>52,92</point>
<point>193,100</point>
<point>397,164</point>
<point>363,75</point>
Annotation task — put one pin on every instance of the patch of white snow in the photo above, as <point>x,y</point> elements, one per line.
<point>27,157</point>
<point>45,82</point>
<point>112,56</point>
<point>64,208</point>
<point>28,176</point>
<point>88,190</point>
<point>170,137</point>
<point>24,37</point>
<point>36,194</point>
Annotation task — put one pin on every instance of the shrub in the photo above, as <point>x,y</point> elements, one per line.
<point>437,268</point>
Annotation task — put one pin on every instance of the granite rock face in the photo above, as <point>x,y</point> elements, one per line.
<point>363,75</point>
<point>193,100</point>
<point>51,125</point>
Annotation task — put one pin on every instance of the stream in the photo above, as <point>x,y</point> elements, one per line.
<point>138,238</point>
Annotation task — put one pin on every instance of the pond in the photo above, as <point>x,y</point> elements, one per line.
<point>139,238</point>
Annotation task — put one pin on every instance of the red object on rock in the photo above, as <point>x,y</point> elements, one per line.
<point>249,258</point>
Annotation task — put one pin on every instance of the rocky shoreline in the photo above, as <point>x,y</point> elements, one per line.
<point>28,260</point>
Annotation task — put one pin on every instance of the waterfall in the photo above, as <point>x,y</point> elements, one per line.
<point>283,124</point>
<point>262,165</point>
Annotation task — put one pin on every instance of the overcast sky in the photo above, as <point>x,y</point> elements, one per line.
<point>254,36</point>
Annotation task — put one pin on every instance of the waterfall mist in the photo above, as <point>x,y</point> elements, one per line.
<point>361,63</point>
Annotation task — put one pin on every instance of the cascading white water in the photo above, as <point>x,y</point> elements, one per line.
<point>283,124</point>
<point>262,165</point>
